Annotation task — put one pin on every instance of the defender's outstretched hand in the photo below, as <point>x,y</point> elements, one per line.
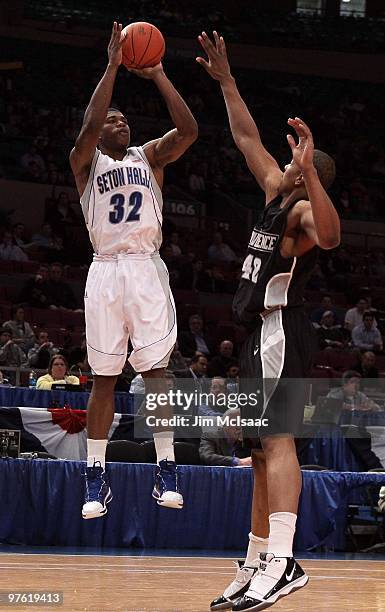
<point>303,151</point>
<point>115,45</point>
<point>218,65</point>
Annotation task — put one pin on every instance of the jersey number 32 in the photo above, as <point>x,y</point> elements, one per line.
<point>117,214</point>
<point>251,267</point>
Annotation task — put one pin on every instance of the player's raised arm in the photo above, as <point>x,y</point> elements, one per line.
<point>172,145</point>
<point>95,115</point>
<point>319,222</point>
<point>243,127</point>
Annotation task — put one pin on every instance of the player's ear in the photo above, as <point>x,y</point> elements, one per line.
<point>299,180</point>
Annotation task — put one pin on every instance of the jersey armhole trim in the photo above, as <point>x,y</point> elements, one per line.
<point>85,197</point>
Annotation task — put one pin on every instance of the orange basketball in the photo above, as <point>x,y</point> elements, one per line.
<point>143,46</point>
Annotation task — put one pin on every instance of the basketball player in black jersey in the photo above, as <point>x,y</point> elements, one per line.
<point>298,219</point>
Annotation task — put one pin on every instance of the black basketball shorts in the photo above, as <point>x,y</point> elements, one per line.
<point>275,361</point>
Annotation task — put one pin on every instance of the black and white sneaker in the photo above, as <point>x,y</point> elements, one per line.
<point>277,577</point>
<point>236,589</point>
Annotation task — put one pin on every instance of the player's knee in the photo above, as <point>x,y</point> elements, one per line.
<point>103,385</point>
<point>277,445</point>
<point>155,373</point>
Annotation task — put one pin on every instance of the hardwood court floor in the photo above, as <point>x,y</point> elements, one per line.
<point>181,584</point>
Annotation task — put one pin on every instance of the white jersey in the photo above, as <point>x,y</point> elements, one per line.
<point>122,204</point>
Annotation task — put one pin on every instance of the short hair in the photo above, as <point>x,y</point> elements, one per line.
<point>15,308</point>
<point>366,314</point>
<point>325,166</point>
<point>57,356</point>
<point>5,330</point>
<point>113,109</point>
<point>196,358</point>
<point>346,376</point>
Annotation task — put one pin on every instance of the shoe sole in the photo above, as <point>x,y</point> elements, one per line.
<point>226,605</point>
<point>290,588</point>
<point>101,512</point>
<point>168,504</point>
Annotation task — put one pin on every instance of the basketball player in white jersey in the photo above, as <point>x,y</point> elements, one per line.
<point>127,291</point>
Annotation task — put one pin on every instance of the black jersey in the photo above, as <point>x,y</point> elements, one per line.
<point>269,280</point>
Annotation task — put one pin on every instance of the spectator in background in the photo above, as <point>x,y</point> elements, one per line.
<point>219,364</point>
<point>211,280</point>
<point>317,280</point>
<point>57,373</point>
<point>350,395</point>
<point>33,173</point>
<point>367,365</point>
<point>224,446</point>
<point>232,378</point>
<point>59,293</point>
<point>11,355</point>
<point>9,251</point>
<point>61,214</point>
<point>326,305</point>
<point>329,334</point>
<point>22,332</point>
<point>196,181</point>
<point>35,291</point>
<point>175,244</point>
<point>353,316</point>
<point>217,398</point>
<point>177,362</point>
<point>220,251</point>
<point>43,350</point>
<point>367,369</point>
<point>19,237</point>
<point>46,239</point>
<point>172,264</point>
<point>197,372</point>
<point>194,339</point>
<point>32,156</point>
<point>377,268</point>
<point>78,356</point>
<point>188,272</point>
<point>366,336</point>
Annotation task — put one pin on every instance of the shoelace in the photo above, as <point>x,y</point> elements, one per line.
<point>240,579</point>
<point>94,483</point>
<point>169,476</point>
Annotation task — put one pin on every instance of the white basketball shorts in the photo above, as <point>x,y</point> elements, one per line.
<point>128,296</point>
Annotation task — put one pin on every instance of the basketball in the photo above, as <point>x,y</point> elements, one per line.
<point>144,45</point>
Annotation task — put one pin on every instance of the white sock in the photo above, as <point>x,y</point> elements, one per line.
<point>256,545</point>
<point>164,446</point>
<point>281,536</point>
<point>96,451</point>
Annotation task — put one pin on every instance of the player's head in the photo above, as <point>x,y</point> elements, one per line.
<point>292,177</point>
<point>115,133</point>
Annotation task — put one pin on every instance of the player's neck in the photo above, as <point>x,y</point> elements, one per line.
<point>116,154</point>
<point>299,193</point>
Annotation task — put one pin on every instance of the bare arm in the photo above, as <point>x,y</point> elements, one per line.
<point>174,143</point>
<point>243,128</point>
<point>95,115</point>
<point>320,221</point>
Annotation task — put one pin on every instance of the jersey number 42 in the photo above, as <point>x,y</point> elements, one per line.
<point>251,267</point>
<point>118,213</point>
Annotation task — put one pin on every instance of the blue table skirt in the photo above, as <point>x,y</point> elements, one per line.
<point>41,505</point>
<point>22,396</point>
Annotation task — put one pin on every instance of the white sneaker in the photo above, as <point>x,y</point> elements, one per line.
<point>236,588</point>
<point>277,577</point>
